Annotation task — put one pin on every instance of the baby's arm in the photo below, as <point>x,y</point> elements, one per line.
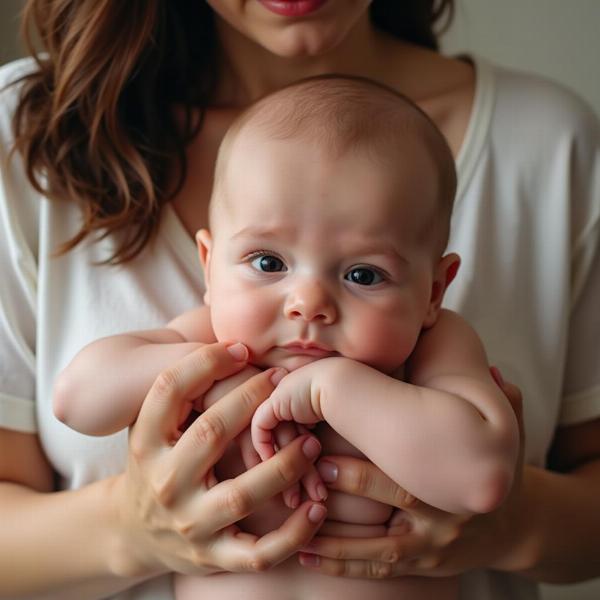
<point>449,437</point>
<point>102,388</point>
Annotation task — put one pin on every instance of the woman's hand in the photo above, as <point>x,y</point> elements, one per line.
<point>173,515</point>
<point>421,540</point>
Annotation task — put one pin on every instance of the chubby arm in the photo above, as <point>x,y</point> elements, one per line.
<point>101,390</point>
<point>449,437</point>
<point>166,512</point>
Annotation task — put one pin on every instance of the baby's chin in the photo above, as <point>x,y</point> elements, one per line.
<point>298,362</point>
<point>289,361</point>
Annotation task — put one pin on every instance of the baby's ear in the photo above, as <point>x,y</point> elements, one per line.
<point>444,273</point>
<point>204,243</point>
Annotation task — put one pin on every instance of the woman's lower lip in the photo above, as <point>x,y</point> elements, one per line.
<point>292,8</point>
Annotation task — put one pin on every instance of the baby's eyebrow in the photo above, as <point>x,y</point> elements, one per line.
<point>382,248</point>
<point>264,231</point>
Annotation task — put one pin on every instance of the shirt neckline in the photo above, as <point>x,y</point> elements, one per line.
<point>479,123</point>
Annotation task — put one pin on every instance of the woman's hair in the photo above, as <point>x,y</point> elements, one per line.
<point>96,122</point>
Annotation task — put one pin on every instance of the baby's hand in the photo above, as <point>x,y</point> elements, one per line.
<point>283,434</point>
<point>293,401</point>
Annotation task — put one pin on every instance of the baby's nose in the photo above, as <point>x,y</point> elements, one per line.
<point>310,301</point>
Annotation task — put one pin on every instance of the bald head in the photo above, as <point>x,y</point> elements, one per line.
<point>341,114</point>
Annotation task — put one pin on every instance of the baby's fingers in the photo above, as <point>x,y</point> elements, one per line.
<point>314,486</point>
<point>249,455</point>
<point>264,422</point>
<point>291,496</point>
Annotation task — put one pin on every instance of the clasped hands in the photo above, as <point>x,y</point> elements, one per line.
<point>171,513</point>
<point>420,539</point>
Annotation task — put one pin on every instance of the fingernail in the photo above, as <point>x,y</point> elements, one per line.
<point>278,375</point>
<point>295,500</point>
<point>316,513</point>
<point>321,492</point>
<point>311,448</point>
<point>328,471</point>
<point>495,371</point>
<point>309,560</point>
<point>238,351</point>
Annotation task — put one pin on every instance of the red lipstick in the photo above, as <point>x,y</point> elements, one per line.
<point>292,8</point>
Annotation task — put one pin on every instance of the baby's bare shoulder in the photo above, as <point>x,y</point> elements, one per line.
<point>450,345</point>
<point>448,322</point>
<point>194,325</point>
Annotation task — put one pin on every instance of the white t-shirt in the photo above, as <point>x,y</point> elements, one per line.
<point>526,224</point>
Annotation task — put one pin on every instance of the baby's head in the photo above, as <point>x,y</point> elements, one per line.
<point>328,221</point>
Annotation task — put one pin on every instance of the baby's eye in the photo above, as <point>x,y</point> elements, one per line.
<point>364,276</point>
<point>268,263</point>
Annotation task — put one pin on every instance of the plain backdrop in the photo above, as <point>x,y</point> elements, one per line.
<point>559,39</point>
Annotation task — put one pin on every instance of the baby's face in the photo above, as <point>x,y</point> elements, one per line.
<point>312,256</point>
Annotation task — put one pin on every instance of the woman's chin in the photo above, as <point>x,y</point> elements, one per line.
<point>293,44</point>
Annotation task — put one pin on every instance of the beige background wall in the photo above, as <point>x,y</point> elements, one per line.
<point>9,25</point>
<point>556,38</point>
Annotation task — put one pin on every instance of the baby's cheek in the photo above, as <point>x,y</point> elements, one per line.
<point>384,344</point>
<point>238,318</point>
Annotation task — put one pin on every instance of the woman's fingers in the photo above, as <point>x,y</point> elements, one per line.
<point>245,552</point>
<point>421,540</point>
<point>515,397</point>
<point>173,507</point>
<point>284,433</point>
<point>513,393</point>
<point>357,569</point>
<point>388,549</point>
<point>205,440</point>
<point>369,558</point>
<point>232,500</point>
<point>362,478</point>
<point>189,378</point>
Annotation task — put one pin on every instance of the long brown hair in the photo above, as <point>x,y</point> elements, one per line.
<point>96,116</point>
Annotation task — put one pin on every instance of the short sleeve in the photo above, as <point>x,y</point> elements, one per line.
<point>582,376</point>
<point>19,209</point>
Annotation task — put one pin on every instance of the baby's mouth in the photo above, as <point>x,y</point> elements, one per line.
<point>309,349</point>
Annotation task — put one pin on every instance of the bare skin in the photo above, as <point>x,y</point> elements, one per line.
<point>445,94</point>
<point>527,546</point>
<point>565,505</point>
<point>131,545</point>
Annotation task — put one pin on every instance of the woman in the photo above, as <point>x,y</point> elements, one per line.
<point>123,117</point>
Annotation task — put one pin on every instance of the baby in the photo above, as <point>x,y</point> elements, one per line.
<point>328,222</point>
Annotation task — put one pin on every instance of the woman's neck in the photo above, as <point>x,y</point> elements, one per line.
<point>249,71</point>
